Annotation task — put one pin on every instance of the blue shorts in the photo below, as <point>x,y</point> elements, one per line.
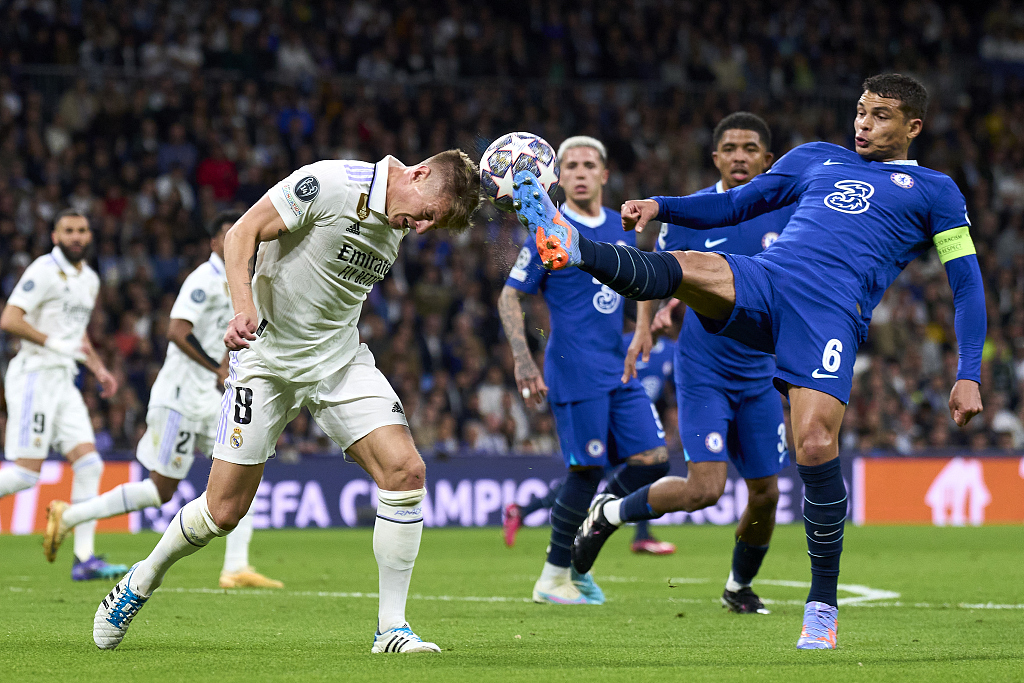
<point>604,431</point>
<point>815,342</point>
<point>744,425</point>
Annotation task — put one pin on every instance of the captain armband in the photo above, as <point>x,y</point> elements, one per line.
<point>954,243</point>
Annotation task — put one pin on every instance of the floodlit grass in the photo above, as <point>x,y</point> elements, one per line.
<point>320,627</point>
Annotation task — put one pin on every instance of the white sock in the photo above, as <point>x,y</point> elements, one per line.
<point>396,543</point>
<point>128,497</point>
<point>194,520</point>
<point>733,585</point>
<point>236,554</point>
<point>611,512</point>
<point>16,478</point>
<point>85,484</point>
<point>554,573</point>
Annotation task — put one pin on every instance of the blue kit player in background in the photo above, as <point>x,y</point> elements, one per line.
<point>861,216</point>
<point>727,406</point>
<point>656,370</point>
<point>601,422</point>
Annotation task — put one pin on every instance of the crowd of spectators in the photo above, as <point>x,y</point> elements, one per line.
<point>152,115</point>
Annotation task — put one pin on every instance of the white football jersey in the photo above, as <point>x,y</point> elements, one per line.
<point>58,300</point>
<point>184,385</point>
<point>310,284</point>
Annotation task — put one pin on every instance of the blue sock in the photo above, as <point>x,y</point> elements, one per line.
<point>824,514</point>
<point>540,503</point>
<point>630,478</point>
<point>570,510</point>
<point>635,274</point>
<point>635,508</point>
<point>746,561</point>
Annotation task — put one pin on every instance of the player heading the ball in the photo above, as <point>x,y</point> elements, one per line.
<point>299,264</point>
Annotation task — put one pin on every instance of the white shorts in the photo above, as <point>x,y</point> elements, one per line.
<point>258,404</point>
<point>44,408</point>
<point>168,447</point>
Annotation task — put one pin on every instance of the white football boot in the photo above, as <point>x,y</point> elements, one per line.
<point>401,639</point>
<point>115,613</point>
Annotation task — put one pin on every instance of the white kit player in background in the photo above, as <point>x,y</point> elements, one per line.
<point>299,264</point>
<point>183,414</point>
<point>49,311</point>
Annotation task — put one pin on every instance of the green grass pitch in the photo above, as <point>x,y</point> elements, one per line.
<point>958,615</point>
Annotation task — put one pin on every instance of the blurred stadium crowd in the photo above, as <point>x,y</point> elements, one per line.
<point>152,115</point>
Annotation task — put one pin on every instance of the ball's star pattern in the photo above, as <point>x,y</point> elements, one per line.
<point>504,184</point>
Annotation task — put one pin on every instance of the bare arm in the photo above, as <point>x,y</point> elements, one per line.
<point>528,376</point>
<point>261,223</point>
<point>642,341</point>
<point>12,321</point>
<point>180,333</point>
<point>108,383</point>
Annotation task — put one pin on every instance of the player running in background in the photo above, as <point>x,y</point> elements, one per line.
<point>601,422</point>
<point>861,217</point>
<point>49,311</point>
<point>652,375</point>
<point>183,414</point>
<point>727,406</point>
<point>299,264</point>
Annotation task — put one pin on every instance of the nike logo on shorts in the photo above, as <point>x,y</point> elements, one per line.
<point>708,244</point>
<point>832,163</point>
<point>818,374</point>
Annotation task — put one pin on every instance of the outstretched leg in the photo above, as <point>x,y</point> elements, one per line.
<point>702,487</point>
<point>703,281</point>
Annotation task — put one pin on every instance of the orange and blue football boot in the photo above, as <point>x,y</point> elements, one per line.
<point>558,242</point>
<point>820,624</point>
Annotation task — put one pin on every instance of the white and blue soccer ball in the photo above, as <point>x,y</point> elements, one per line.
<point>511,153</point>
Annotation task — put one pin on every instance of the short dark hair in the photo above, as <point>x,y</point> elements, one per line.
<point>911,93</point>
<point>213,227</point>
<point>744,120</point>
<point>66,213</point>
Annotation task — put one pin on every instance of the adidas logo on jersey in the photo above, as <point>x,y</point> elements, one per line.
<point>397,408</point>
<point>354,229</point>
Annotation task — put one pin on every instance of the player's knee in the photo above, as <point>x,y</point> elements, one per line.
<point>763,495</point>
<point>407,474</point>
<point>815,445</point>
<point>226,513</point>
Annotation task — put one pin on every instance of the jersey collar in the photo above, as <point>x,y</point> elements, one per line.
<point>62,263</point>
<point>902,162</point>
<point>379,188</point>
<point>719,187</point>
<point>218,264</point>
<point>589,221</point>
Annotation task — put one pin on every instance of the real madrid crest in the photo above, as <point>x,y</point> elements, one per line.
<point>236,438</point>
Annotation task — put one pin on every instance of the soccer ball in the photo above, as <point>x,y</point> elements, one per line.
<point>511,153</point>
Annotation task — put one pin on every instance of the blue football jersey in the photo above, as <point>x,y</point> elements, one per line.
<point>655,372</point>
<point>704,357</point>
<point>857,223</point>
<point>585,353</point>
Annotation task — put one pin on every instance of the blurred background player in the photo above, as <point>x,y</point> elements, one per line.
<point>183,414</point>
<point>601,421</point>
<point>299,264</point>
<point>49,311</point>
<point>728,408</point>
